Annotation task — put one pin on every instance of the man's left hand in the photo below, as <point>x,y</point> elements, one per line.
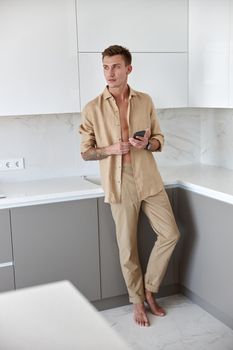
<point>140,142</point>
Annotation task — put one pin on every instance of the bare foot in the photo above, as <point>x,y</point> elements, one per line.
<point>140,316</point>
<point>154,306</point>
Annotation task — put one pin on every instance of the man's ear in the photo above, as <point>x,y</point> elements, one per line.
<point>129,69</point>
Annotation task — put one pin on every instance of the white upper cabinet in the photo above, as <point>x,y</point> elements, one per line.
<point>92,81</point>
<point>162,76</point>
<point>38,57</point>
<point>155,31</point>
<point>209,53</point>
<point>140,25</point>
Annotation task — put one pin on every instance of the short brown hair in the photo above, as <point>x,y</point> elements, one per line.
<point>118,50</point>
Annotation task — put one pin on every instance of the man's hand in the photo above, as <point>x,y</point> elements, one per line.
<point>140,142</point>
<point>118,148</point>
<point>104,152</point>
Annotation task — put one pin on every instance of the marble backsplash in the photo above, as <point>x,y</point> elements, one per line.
<point>50,143</point>
<point>217,138</point>
<point>181,128</point>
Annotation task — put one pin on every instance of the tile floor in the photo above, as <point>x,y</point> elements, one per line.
<point>185,327</point>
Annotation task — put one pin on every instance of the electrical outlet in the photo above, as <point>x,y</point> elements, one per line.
<point>12,164</point>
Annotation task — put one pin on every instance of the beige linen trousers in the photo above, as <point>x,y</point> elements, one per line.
<point>125,214</point>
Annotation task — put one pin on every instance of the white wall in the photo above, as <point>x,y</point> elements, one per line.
<point>50,143</point>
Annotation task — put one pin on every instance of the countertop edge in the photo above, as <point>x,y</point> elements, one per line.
<point>65,189</point>
<point>88,194</point>
<point>47,199</point>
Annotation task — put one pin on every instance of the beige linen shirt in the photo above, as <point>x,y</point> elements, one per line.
<point>101,127</point>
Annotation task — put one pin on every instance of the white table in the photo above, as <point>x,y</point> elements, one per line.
<point>53,316</point>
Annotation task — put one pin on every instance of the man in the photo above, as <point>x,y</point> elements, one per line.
<point>129,176</point>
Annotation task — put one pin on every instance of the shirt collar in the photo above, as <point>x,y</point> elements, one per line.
<point>106,93</point>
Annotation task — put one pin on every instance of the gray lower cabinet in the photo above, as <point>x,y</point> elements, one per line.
<point>112,282</point>
<point>207,244</point>
<point>58,241</point>
<point>5,236</point>
<point>6,272</point>
<point>6,278</point>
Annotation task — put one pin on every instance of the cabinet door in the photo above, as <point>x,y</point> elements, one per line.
<point>208,53</point>
<point>112,282</point>
<point>5,237</point>
<point>6,270</point>
<point>6,278</point>
<point>55,242</point>
<point>142,26</point>
<point>162,76</point>
<point>207,260</point>
<point>38,61</point>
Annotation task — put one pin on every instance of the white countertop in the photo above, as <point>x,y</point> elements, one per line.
<point>55,316</point>
<point>211,181</point>
<point>47,191</point>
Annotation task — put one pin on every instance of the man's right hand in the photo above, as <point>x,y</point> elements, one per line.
<point>103,152</point>
<point>118,148</point>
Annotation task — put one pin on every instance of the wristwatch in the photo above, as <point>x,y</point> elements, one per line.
<point>148,146</point>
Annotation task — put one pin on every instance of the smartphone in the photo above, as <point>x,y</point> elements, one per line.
<point>140,133</point>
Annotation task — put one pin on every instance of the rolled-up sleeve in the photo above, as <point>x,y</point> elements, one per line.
<point>155,128</point>
<point>86,130</point>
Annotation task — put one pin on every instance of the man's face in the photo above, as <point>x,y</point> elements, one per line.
<point>116,71</point>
